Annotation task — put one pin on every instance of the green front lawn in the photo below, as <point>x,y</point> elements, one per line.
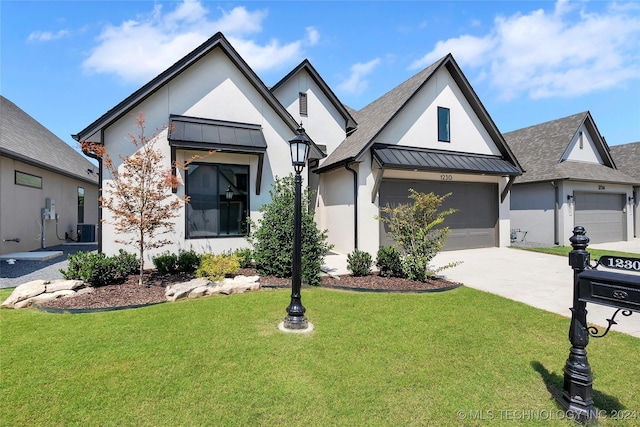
<point>564,251</point>
<point>461,357</point>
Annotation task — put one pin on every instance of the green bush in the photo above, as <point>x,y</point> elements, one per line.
<point>99,270</point>
<point>388,262</point>
<point>359,263</point>
<point>217,267</point>
<point>165,263</point>
<point>245,257</point>
<point>417,230</point>
<point>272,239</point>
<point>187,261</point>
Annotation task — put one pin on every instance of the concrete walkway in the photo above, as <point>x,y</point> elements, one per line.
<point>539,280</point>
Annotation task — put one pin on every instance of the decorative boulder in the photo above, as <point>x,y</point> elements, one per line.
<point>24,292</point>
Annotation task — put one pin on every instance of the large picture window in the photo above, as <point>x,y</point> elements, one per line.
<point>444,124</point>
<point>218,200</point>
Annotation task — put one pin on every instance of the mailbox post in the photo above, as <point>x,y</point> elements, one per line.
<point>621,291</point>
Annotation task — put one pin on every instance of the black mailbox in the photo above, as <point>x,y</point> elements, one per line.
<point>617,290</point>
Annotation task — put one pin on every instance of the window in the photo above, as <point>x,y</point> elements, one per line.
<point>581,138</point>
<point>80,205</point>
<point>444,125</point>
<point>28,180</point>
<point>218,200</point>
<point>302,98</point>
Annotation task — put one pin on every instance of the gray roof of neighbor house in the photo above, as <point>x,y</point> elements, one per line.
<point>540,148</point>
<point>350,123</point>
<point>627,158</point>
<point>373,118</point>
<point>92,132</point>
<point>23,138</point>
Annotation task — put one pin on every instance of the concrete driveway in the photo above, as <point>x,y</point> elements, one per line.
<point>539,280</point>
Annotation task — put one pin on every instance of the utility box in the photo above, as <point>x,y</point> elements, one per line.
<point>86,233</point>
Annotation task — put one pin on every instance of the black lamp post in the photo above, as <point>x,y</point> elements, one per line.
<point>295,319</point>
<point>228,195</point>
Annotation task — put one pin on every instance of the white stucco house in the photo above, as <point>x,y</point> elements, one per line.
<point>430,133</point>
<point>48,190</point>
<point>570,179</point>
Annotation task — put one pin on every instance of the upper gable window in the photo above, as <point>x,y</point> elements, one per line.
<point>581,139</point>
<point>302,98</point>
<point>444,124</point>
<point>28,180</point>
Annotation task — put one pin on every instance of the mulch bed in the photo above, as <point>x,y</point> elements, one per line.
<point>130,293</point>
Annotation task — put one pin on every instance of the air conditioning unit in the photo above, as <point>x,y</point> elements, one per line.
<point>86,233</point>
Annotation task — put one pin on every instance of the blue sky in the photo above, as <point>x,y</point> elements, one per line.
<point>68,62</point>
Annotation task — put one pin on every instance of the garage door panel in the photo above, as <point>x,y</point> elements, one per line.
<point>475,223</point>
<point>601,215</point>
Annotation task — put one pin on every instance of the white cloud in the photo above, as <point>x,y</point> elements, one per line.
<point>45,36</point>
<point>356,82</point>
<point>139,49</point>
<point>563,53</point>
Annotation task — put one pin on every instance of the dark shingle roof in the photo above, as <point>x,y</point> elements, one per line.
<point>373,118</point>
<point>627,158</point>
<point>540,148</point>
<point>25,139</point>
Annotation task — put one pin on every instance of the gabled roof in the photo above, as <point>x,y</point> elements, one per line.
<point>306,66</point>
<point>376,116</point>
<point>540,149</point>
<point>25,139</point>
<point>92,131</point>
<point>627,158</point>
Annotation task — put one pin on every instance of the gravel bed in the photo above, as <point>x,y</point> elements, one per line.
<point>12,275</point>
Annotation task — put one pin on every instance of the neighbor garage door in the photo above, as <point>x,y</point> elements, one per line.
<point>601,215</point>
<point>475,223</point>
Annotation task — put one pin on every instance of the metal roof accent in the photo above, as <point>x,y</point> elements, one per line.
<point>398,157</point>
<point>199,133</point>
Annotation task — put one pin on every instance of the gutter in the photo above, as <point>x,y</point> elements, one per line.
<point>355,203</point>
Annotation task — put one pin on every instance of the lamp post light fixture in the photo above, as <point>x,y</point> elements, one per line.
<point>295,319</point>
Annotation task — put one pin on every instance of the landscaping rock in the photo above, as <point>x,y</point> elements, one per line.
<point>24,292</point>
<point>63,285</point>
<point>196,288</point>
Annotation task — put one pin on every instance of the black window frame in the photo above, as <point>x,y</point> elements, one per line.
<point>25,184</point>
<point>81,200</point>
<point>304,104</point>
<point>217,199</point>
<point>444,129</point>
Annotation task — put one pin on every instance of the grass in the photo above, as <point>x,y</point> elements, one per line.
<point>564,251</point>
<point>461,357</point>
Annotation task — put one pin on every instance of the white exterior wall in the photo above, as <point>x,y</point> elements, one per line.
<point>588,153</point>
<point>323,123</point>
<point>334,208</point>
<point>417,124</point>
<point>212,88</point>
<point>20,212</point>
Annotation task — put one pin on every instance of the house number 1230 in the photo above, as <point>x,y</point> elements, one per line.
<point>446,177</point>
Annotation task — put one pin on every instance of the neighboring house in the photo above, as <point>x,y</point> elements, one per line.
<point>430,133</point>
<point>44,185</point>
<point>570,179</point>
<point>627,158</point>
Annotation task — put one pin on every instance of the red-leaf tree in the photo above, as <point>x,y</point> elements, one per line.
<point>139,194</point>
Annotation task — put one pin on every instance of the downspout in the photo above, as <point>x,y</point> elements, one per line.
<point>556,213</point>
<point>355,204</point>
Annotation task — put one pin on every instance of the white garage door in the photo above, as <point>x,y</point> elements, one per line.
<point>475,223</point>
<point>601,215</point>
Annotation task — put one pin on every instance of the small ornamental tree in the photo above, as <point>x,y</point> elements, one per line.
<point>272,239</point>
<point>139,195</point>
<point>417,232</point>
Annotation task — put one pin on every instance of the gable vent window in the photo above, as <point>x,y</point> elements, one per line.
<point>444,124</point>
<point>302,98</point>
<point>581,139</point>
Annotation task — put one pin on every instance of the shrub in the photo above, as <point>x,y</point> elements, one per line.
<point>217,267</point>
<point>165,263</point>
<point>245,256</point>
<point>416,229</point>
<point>187,261</point>
<point>272,239</point>
<point>99,270</point>
<point>359,263</point>
<point>388,262</point>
